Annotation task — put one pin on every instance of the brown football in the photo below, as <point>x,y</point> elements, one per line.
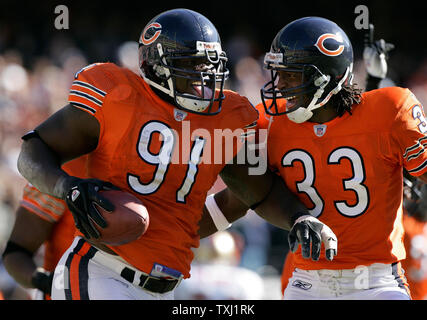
<point>127,223</point>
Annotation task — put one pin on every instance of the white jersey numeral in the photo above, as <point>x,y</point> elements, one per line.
<point>355,183</point>
<point>417,113</point>
<point>307,184</point>
<point>162,160</point>
<point>195,156</point>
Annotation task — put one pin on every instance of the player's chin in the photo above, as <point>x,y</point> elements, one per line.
<point>302,101</point>
<point>295,103</point>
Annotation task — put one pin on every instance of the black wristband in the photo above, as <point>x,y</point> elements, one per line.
<point>14,247</point>
<point>295,216</point>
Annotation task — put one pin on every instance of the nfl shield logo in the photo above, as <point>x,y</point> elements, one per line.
<point>179,114</point>
<point>319,129</point>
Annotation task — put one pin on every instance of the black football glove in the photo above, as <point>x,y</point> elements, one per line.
<point>82,198</point>
<point>42,280</point>
<point>310,233</point>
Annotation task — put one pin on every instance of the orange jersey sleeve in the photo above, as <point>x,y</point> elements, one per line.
<point>410,131</point>
<point>45,206</point>
<point>84,94</point>
<point>348,173</point>
<point>167,157</point>
<point>55,211</point>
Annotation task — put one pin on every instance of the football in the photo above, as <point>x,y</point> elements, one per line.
<point>127,223</point>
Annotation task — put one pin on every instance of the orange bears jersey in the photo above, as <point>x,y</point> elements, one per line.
<point>55,211</point>
<point>415,264</point>
<point>348,173</point>
<point>165,156</point>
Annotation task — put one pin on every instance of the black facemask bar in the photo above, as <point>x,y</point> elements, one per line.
<point>270,93</point>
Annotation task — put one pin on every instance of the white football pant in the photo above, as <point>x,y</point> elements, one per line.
<point>85,273</point>
<point>375,282</point>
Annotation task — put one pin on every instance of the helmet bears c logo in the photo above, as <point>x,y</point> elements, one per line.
<point>158,30</point>
<point>320,44</point>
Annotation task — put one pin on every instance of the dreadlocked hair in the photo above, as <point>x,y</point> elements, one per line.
<point>346,98</point>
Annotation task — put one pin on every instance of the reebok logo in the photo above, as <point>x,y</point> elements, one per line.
<point>302,284</point>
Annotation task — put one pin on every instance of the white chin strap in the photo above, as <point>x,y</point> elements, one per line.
<point>192,104</point>
<point>302,114</point>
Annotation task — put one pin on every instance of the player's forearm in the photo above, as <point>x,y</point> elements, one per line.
<point>206,225</point>
<point>38,164</point>
<point>281,207</point>
<point>228,205</point>
<point>247,189</point>
<point>267,194</point>
<point>21,267</point>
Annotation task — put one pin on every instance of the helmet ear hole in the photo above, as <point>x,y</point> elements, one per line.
<point>159,71</point>
<point>322,81</point>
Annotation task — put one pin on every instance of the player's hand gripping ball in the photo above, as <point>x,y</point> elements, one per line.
<point>127,222</point>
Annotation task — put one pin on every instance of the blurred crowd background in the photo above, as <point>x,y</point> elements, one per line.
<point>38,63</point>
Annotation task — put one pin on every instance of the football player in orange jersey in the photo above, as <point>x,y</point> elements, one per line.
<point>415,225</point>
<point>153,135</point>
<point>40,219</point>
<point>342,152</point>
<point>375,57</point>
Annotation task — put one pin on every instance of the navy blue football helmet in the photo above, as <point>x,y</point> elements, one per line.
<point>321,52</point>
<point>173,46</point>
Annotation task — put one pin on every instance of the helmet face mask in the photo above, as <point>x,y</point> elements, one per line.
<point>195,80</point>
<point>321,53</point>
<point>184,62</point>
<point>297,96</point>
